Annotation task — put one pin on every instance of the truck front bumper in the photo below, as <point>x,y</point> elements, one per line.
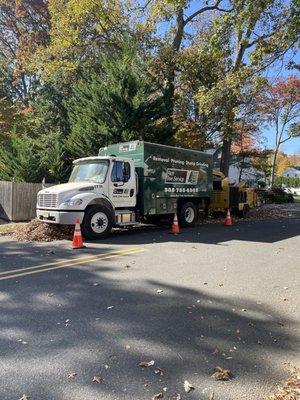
<point>60,217</point>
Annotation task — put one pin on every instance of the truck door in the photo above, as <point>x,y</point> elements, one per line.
<point>122,186</point>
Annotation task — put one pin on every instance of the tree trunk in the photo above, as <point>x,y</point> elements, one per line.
<point>227,135</point>
<point>225,157</point>
<point>274,166</point>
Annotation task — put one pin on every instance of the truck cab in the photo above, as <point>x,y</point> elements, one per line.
<point>101,191</point>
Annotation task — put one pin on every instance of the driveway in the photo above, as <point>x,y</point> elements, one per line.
<point>211,296</point>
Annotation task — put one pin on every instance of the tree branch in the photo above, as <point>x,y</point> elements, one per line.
<point>201,11</point>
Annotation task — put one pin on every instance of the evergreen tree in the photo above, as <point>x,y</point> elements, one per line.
<point>120,102</point>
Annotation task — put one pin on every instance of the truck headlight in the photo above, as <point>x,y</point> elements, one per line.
<point>76,202</point>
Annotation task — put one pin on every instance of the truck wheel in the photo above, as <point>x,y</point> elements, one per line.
<point>97,222</point>
<point>188,214</point>
<point>244,213</point>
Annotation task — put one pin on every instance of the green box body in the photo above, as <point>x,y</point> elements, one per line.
<point>165,174</point>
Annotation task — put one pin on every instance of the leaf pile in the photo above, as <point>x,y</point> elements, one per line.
<point>290,390</point>
<point>38,231</point>
<point>257,214</point>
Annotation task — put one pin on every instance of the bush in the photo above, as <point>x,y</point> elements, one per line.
<point>276,195</point>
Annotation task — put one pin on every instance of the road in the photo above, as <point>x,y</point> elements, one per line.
<point>211,296</point>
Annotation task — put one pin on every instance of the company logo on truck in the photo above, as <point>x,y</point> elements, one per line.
<point>182,176</point>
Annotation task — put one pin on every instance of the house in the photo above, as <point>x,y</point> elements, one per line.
<point>240,168</point>
<point>292,172</point>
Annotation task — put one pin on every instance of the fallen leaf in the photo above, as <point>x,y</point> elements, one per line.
<point>24,397</point>
<point>158,371</point>
<point>97,379</point>
<point>144,364</point>
<point>188,387</point>
<point>72,375</point>
<point>159,395</point>
<point>221,374</point>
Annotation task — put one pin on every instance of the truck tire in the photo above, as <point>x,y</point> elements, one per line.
<point>97,222</point>
<point>188,214</point>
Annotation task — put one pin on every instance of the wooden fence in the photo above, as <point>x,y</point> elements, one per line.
<point>18,200</point>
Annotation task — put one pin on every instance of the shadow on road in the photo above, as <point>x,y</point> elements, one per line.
<point>268,231</point>
<point>187,332</point>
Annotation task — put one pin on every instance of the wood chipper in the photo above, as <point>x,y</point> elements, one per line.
<point>239,199</point>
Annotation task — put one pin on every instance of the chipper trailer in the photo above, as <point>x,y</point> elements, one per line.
<point>128,184</point>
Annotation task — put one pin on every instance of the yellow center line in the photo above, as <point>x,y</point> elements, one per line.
<point>66,263</point>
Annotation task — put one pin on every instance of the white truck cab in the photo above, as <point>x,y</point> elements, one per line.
<point>101,192</point>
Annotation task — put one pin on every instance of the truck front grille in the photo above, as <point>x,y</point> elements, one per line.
<point>47,200</point>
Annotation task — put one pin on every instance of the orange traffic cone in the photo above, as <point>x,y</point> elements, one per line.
<point>77,238</point>
<point>175,226</point>
<point>228,220</point>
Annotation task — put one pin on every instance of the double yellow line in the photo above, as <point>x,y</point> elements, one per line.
<point>66,263</point>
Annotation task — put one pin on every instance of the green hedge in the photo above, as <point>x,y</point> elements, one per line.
<point>287,181</point>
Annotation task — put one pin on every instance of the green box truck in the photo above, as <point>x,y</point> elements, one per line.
<point>128,184</point>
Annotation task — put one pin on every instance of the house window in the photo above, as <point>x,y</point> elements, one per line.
<point>120,172</point>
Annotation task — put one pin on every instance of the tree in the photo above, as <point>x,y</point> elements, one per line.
<point>24,26</point>
<point>281,107</point>
<point>80,32</point>
<point>25,159</point>
<point>118,103</point>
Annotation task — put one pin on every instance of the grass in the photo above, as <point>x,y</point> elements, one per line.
<point>7,229</point>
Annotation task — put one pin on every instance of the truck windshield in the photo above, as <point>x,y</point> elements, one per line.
<point>91,172</point>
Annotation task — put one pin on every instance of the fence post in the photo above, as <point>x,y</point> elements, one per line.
<point>12,196</point>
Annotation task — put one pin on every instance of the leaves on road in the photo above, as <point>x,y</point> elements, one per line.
<point>24,397</point>
<point>145,364</point>
<point>221,374</point>
<point>159,371</point>
<point>290,389</point>
<point>188,387</point>
<point>97,379</point>
<point>157,396</point>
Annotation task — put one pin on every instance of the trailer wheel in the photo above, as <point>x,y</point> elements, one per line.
<point>244,213</point>
<point>97,222</point>
<point>188,214</point>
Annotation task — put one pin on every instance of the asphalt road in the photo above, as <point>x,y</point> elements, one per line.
<point>229,297</point>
